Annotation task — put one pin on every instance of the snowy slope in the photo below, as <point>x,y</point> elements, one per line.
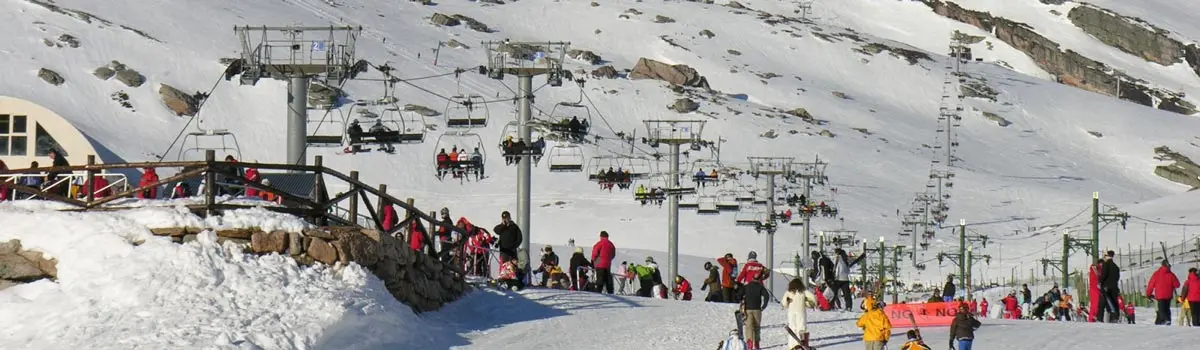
<point>1044,166</point>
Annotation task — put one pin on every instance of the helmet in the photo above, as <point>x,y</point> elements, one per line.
<point>708,266</point>
<point>579,250</point>
<point>752,255</point>
<point>649,259</point>
<point>446,211</point>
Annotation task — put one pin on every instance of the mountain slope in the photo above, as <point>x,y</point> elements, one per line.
<point>1043,166</point>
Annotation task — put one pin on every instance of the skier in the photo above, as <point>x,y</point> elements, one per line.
<point>963,329</point>
<point>1161,288</point>
<point>752,271</point>
<point>1191,293</point>
<point>712,283</point>
<point>877,329</point>
<point>914,342</point>
<point>645,274</point>
<point>728,264</point>
<point>1110,277</point>
<point>602,256</point>
<point>754,300</point>
<point>1094,308</point>
<point>683,288</point>
<point>797,301</point>
<point>578,274</point>
<point>983,308</point>
<point>842,276</point>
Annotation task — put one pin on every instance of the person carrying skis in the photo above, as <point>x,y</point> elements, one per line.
<point>683,289</point>
<point>877,329</point>
<point>1161,288</point>
<point>728,264</point>
<point>963,328</point>
<point>712,283</point>
<point>914,342</point>
<point>797,301</point>
<point>754,300</point>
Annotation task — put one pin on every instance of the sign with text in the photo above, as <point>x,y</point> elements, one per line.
<point>925,314</point>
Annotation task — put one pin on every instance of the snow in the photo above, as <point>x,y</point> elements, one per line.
<point>1033,174</point>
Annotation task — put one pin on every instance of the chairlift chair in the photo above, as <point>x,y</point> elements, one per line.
<point>409,126</point>
<point>689,202</point>
<point>639,168</point>
<point>707,205</point>
<point>727,200</point>
<point>466,111</point>
<point>228,145</point>
<point>750,218</point>
<point>566,157</point>
<point>463,140</point>
<point>745,193</point>
<point>561,115</point>
<point>512,130</point>
<point>326,132</point>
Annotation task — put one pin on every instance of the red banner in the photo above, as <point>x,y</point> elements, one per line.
<point>926,314</point>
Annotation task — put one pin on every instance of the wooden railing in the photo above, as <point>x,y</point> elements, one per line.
<point>316,207</point>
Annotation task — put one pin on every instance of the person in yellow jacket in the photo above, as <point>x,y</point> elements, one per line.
<point>1185,311</point>
<point>877,329</point>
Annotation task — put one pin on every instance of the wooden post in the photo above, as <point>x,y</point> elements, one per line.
<point>320,195</point>
<point>354,198</point>
<point>89,173</point>
<point>410,201</point>
<point>382,202</point>
<point>210,182</point>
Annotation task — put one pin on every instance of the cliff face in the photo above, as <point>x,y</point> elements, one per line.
<point>1070,67</point>
<point>1127,34</point>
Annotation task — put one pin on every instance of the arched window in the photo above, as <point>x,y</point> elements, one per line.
<point>44,143</point>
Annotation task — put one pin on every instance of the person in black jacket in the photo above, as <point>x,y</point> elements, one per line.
<point>754,299</point>
<point>712,283</point>
<point>963,328</point>
<point>56,187</point>
<point>1110,274</point>
<point>510,235</point>
<point>549,261</point>
<point>948,290</point>
<point>579,277</point>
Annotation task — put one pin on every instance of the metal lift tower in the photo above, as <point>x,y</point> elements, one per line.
<point>770,167</point>
<point>673,133</point>
<point>296,54</point>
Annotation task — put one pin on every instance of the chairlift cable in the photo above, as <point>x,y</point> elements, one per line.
<point>199,108</point>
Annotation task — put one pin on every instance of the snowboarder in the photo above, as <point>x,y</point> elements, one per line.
<point>754,299</point>
<point>797,301</point>
<point>963,329</point>
<point>877,329</point>
<point>1161,288</point>
<point>603,253</point>
<point>914,342</point>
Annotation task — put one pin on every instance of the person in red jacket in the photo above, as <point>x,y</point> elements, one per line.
<point>727,263</point>
<point>1129,311</point>
<point>416,235</point>
<point>149,177</point>
<point>1191,292</point>
<point>973,306</point>
<point>983,308</point>
<point>478,245</point>
<point>1161,288</point>
<point>603,253</point>
<point>751,270</point>
<point>390,219</point>
<point>1094,308</point>
<point>1011,306</point>
<point>252,175</point>
<point>683,289</point>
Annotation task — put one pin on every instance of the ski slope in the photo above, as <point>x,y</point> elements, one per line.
<point>1038,171</point>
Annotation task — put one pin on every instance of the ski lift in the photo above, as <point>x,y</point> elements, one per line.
<point>566,157</point>
<point>639,168</point>
<point>750,218</point>
<point>727,200</point>
<point>564,113</point>
<point>745,193</point>
<point>512,131</point>
<point>662,181</point>
<point>466,111</point>
<point>689,202</point>
<point>409,126</point>
<point>326,132</point>
<point>465,142</point>
<point>221,141</point>
<point>707,205</point>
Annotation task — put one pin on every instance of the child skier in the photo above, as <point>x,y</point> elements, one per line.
<point>877,329</point>
<point>914,342</point>
<point>509,277</point>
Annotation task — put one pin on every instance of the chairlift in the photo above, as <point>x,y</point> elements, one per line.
<point>566,157</point>
<point>388,125</point>
<point>327,131</point>
<point>727,200</point>
<point>750,218</point>
<point>409,126</point>
<point>466,111</point>
<point>463,141</point>
<point>745,193</point>
<point>689,202</point>
<point>221,141</point>
<point>563,113</point>
<point>639,168</point>
<point>707,205</point>
<point>707,166</point>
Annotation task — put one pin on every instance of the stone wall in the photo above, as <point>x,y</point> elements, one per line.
<point>19,266</point>
<point>415,279</point>
<point>1070,67</point>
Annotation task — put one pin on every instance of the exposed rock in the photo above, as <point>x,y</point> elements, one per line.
<point>736,5</point>
<point>996,118</point>
<point>130,78</point>
<point>321,96</point>
<point>595,4</point>
<point>51,77</point>
<point>734,52</point>
<point>473,24</point>
<point>663,19</point>
<point>1097,134</point>
<point>1177,105</point>
<point>679,74</point>
<point>1182,169</point>
<point>238,233</point>
<point>178,101</point>
<point>684,105</point>
<point>49,43</point>
<point>584,55</point>
<point>605,72</point>
<point>863,130</point>
<point>322,251</point>
<point>16,268</point>
<point>769,134</point>
<point>841,95</point>
<point>23,266</point>
<point>444,20</point>
<point>86,17</point>
<point>1053,2</point>
<point>269,242</point>
<point>104,73</point>
<point>978,89</point>
<point>965,38</point>
<point>69,40</point>
<point>912,56</point>
<point>707,33</point>
<point>1127,34</point>
<point>633,11</point>
<point>800,113</point>
<point>455,44</point>
<point>353,246</point>
<point>422,110</point>
<point>826,133</point>
<point>667,39</point>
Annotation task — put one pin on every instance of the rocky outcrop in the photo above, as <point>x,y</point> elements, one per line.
<point>18,266</point>
<point>130,78</point>
<point>910,55</point>
<point>457,45</point>
<point>51,77</point>
<point>1128,34</point>
<point>419,281</point>
<point>663,19</point>
<point>1068,66</point>
<point>69,40</point>
<point>607,72</point>
<point>679,74</point>
<point>1181,170</point>
<point>996,118</point>
<point>473,24</point>
<point>178,101</point>
<point>585,56</point>
<point>707,33</point>
<point>444,20</point>
<point>321,96</point>
<point>684,105</point>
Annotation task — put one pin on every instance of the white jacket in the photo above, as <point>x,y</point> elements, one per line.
<point>797,304</point>
<point>841,269</point>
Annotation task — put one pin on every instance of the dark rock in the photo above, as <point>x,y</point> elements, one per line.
<point>455,44</point>
<point>736,5</point>
<point>997,118</point>
<point>69,40</point>
<point>734,52</point>
<point>104,73</point>
<point>473,24</point>
<point>584,55</point>
<point>678,74</point>
<point>707,33</point>
<point>422,110</point>
<point>51,77</point>
<point>178,101</point>
<point>684,105</point>
<point>130,78</point>
<point>663,19</point>
<point>1128,34</point>
<point>605,72</point>
<point>444,20</point>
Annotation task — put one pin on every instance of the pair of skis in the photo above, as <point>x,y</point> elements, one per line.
<point>740,319</point>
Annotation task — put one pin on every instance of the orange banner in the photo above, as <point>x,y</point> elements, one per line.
<point>926,314</point>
